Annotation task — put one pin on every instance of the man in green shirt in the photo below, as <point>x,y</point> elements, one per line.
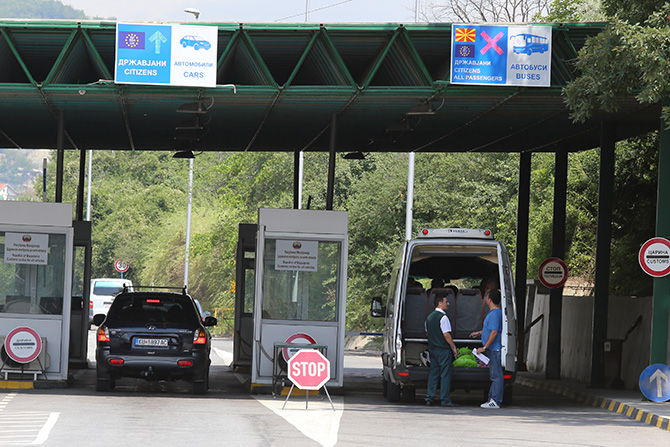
<point>442,352</point>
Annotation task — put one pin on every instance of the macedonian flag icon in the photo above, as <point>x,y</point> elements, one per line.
<point>465,34</point>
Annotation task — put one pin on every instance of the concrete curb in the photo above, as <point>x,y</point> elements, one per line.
<point>612,405</point>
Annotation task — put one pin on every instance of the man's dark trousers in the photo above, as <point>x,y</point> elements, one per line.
<point>440,372</point>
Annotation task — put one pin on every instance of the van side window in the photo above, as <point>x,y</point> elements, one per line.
<point>391,294</point>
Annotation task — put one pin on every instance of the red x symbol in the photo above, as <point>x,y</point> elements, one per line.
<point>491,43</point>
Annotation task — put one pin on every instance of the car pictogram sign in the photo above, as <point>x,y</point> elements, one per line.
<point>308,369</point>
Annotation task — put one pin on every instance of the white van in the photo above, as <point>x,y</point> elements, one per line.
<point>103,291</point>
<point>461,261</point>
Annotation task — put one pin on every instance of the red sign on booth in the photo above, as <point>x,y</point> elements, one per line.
<point>309,369</point>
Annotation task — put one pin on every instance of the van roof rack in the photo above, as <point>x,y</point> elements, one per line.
<point>468,233</point>
<point>153,288</point>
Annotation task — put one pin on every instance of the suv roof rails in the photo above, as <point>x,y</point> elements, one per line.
<point>137,288</point>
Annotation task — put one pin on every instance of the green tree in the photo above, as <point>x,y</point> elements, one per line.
<point>627,58</point>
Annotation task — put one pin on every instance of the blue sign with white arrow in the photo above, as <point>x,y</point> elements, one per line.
<point>655,382</point>
<point>143,54</point>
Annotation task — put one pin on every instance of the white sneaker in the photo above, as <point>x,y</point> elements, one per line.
<point>490,404</point>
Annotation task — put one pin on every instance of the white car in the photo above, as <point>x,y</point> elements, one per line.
<point>103,291</point>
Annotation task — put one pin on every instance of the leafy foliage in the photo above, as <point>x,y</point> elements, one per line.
<point>623,60</point>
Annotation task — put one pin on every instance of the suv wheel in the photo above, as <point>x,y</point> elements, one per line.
<point>201,386</point>
<point>104,384</point>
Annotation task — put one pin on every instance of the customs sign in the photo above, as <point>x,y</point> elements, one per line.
<point>296,255</point>
<point>501,55</point>
<point>23,345</point>
<point>654,257</point>
<point>26,248</point>
<point>158,54</point>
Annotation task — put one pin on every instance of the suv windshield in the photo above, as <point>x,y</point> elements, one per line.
<point>152,308</point>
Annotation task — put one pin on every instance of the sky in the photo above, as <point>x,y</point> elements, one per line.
<point>226,11</point>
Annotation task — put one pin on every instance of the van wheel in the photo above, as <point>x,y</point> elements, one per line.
<point>507,395</point>
<point>408,394</point>
<point>385,385</point>
<point>393,392</point>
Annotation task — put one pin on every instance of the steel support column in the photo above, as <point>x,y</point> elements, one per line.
<point>296,179</point>
<point>603,251</point>
<point>331,164</point>
<point>60,155</point>
<point>557,250</point>
<point>660,338</point>
<point>521,271</point>
<point>80,186</point>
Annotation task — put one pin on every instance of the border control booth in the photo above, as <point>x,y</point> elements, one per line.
<point>36,244</point>
<point>300,285</point>
<point>38,276</point>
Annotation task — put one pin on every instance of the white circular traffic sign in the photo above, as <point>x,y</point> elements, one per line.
<point>299,338</point>
<point>121,266</point>
<point>309,369</point>
<point>654,257</point>
<point>553,273</point>
<point>23,345</point>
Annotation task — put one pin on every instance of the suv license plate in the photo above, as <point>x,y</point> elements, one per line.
<point>151,342</point>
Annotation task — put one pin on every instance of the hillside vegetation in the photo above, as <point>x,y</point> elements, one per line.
<point>38,9</point>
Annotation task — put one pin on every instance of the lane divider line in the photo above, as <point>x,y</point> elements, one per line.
<point>612,405</point>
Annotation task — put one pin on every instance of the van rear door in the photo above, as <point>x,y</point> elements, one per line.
<point>508,353</point>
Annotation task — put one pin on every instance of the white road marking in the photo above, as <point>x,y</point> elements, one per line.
<point>43,435</point>
<point>226,356</point>
<point>5,400</point>
<point>319,422</point>
<point>25,427</point>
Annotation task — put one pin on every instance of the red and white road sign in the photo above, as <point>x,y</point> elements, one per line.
<point>121,266</point>
<point>23,345</point>
<point>301,339</point>
<point>654,257</point>
<point>309,369</point>
<point>553,273</point>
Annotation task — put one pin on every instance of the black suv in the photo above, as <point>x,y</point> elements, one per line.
<point>154,336</point>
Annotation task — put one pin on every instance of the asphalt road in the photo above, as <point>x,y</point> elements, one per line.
<point>168,414</point>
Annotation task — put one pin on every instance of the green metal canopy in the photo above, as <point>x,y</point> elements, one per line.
<point>278,87</point>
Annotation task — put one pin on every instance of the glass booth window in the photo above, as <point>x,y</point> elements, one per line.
<point>32,273</point>
<point>300,280</point>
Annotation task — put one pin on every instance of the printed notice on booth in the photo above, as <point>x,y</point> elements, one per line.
<point>26,248</point>
<point>301,256</point>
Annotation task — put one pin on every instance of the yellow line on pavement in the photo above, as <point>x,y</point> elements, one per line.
<point>16,385</point>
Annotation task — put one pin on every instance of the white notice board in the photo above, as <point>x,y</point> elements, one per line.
<point>296,255</point>
<point>26,248</point>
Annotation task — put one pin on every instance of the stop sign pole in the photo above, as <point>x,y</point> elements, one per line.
<point>308,369</point>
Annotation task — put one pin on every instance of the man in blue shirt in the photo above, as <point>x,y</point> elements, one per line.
<point>490,335</point>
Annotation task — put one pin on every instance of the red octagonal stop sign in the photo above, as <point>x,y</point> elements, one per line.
<point>309,369</point>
